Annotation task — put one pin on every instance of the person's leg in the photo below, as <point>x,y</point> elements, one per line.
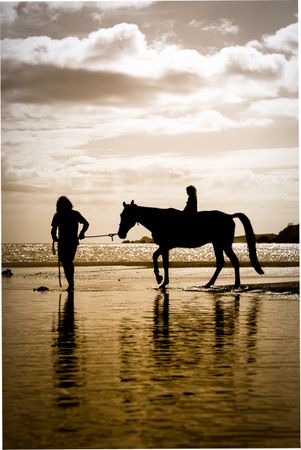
<point>69,273</point>
<point>67,257</point>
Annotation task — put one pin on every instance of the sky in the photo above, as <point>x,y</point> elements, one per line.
<point>106,102</point>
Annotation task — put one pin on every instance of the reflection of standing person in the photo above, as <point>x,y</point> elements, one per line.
<point>192,202</point>
<point>67,361</point>
<point>66,221</point>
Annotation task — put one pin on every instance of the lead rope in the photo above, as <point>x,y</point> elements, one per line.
<point>58,263</point>
<point>111,235</point>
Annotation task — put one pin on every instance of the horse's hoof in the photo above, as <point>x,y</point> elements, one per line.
<point>163,286</point>
<point>207,286</point>
<point>159,279</point>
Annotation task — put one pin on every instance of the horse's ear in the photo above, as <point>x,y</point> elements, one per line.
<point>124,204</point>
<point>132,202</point>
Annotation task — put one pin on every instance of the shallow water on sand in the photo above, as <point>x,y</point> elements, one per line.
<point>132,367</point>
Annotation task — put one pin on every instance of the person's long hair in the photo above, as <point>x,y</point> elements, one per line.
<point>63,204</point>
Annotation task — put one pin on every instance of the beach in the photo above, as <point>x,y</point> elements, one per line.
<point>121,364</point>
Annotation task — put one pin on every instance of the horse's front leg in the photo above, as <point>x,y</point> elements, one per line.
<point>156,255</point>
<point>165,257</point>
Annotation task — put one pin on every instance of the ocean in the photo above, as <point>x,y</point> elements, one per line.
<point>34,254</point>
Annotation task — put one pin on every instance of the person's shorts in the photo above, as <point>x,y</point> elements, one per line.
<point>66,251</point>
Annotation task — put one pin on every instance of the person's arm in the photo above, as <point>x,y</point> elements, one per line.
<point>54,227</point>
<point>85,224</point>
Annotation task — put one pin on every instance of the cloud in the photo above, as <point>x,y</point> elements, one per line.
<point>197,23</point>
<point>124,47</point>
<point>117,64</point>
<point>223,27</point>
<point>59,85</point>
<point>103,6</point>
<point>111,115</point>
<point>284,40</point>
<point>229,177</point>
<point>160,88</point>
<point>245,59</point>
<point>277,107</point>
<point>11,11</point>
<point>8,12</point>
<point>267,178</point>
<point>98,48</point>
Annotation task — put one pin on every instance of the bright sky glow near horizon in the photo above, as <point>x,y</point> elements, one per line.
<point>106,102</point>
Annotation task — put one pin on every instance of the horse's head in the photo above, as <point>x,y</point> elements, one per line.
<point>128,219</point>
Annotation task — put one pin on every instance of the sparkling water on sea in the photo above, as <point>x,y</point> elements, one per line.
<point>133,254</point>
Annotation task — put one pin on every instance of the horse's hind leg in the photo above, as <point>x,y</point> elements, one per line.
<point>165,257</point>
<point>220,261</point>
<point>156,255</point>
<point>235,263</point>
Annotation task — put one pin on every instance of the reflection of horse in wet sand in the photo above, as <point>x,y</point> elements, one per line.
<point>172,228</point>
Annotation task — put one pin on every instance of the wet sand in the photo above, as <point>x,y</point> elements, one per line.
<point>120,364</point>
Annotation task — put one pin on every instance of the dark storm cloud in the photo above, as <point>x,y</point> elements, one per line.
<point>25,83</point>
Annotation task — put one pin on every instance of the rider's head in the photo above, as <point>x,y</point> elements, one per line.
<point>191,190</point>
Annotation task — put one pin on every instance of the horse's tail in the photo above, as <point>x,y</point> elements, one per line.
<point>251,241</point>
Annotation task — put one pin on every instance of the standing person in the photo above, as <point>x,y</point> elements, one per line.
<point>192,202</point>
<point>67,221</point>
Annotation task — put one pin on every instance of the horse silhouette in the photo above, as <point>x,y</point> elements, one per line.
<point>172,228</point>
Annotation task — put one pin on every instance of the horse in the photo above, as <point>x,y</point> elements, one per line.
<point>171,228</point>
